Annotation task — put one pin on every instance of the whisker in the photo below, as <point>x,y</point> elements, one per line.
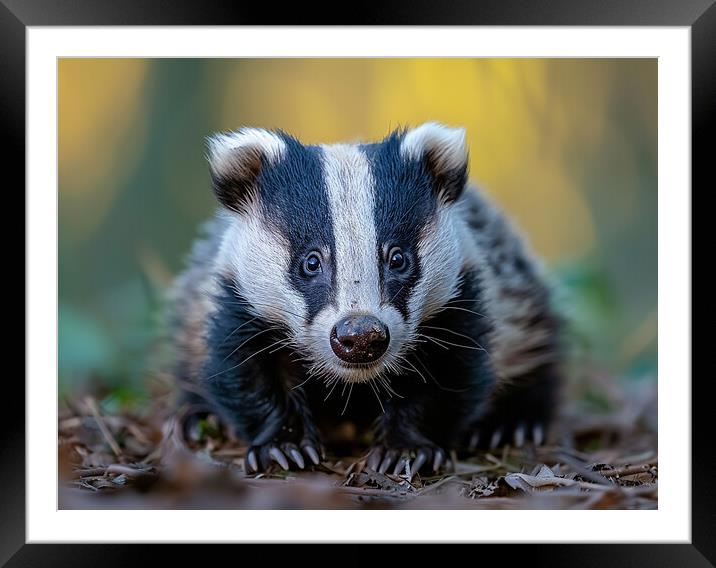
<point>285,342</point>
<point>435,340</point>
<point>462,300</point>
<point>303,383</point>
<point>447,307</point>
<point>350,392</point>
<point>237,329</point>
<point>272,328</point>
<point>396,294</point>
<point>257,352</point>
<point>389,389</point>
<point>416,370</point>
<point>335,382</point>
<point>245,360</point>
<point>441,341</point>
<point>417,359</point>
<point>440,386</point>
<point>381,383</point>
<point>375,392</point>
<point>454,333</point>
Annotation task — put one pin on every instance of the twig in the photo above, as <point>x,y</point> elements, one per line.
<point>79,473</point>
<point>138,434</point>
<point>432,487</point>
<point>381,493</point>
<point>646,489</point>
<point>103,427</point>
<point>581,468</point>
<point>599,486</point>
<point>82,483</point>
<point>120,469</point>
<point>628,470</point>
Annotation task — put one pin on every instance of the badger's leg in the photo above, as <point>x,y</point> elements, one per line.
<point>447,384</point>
<point>520,411</point>
<point>192,407</point>
<point>274,420</point>
<point>400,438</point>
<point>250,378</point>
<point>441,400</point>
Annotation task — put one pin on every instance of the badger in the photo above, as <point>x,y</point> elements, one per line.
<point>369,284</point>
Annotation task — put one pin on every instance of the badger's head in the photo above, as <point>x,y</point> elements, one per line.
<point>347,247</point>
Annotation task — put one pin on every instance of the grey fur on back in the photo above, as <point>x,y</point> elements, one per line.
<point>516,290</point>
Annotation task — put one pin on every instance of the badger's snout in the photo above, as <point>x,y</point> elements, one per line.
<point>360,338</point>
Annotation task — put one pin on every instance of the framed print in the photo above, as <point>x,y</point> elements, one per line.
<point>431,271</point>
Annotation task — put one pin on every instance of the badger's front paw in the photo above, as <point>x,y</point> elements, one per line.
<point>520,413</point>
<point>398,460</point>
<point>492,434</point>
<point>286,455</point>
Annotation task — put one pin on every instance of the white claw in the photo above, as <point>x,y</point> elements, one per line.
<point>298,458</point>
<point>519,436</point>
<point>279,458</point>
<point>474,441</point>
<point>252,462</point>
<point>417,463</point>
<point>496,437</point>
<point>538,434</point>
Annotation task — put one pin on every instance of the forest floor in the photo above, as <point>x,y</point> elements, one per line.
<point>137,460</point>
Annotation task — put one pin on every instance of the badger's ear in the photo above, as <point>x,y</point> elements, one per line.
<point>236,159</point>
<point>445,153</point>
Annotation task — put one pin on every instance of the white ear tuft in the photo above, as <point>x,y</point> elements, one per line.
<point>445,150</point>
<point>222,146</point>
<point>236,159</point>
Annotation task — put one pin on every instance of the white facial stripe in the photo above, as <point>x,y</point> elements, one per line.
<point>440,260</point>
<point>248,248</point>
<point>221,145</point>
<point>350,186</point>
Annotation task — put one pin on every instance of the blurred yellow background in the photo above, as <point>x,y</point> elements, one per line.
<point>567,146</point>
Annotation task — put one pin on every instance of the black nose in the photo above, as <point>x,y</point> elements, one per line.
<point>359,339</point>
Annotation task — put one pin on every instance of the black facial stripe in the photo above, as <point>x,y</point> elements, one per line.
<point>405,201</point>
<point>294,198</point>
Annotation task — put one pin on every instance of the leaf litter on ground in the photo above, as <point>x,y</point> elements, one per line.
<point>143,459</point>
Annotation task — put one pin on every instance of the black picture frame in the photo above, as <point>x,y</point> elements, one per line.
<point>17,15</point>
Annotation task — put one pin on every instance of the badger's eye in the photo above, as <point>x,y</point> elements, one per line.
<point>396,259</point>
<point>312,264</point>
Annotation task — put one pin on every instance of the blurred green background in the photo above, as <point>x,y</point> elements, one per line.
<point>567,146</point>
